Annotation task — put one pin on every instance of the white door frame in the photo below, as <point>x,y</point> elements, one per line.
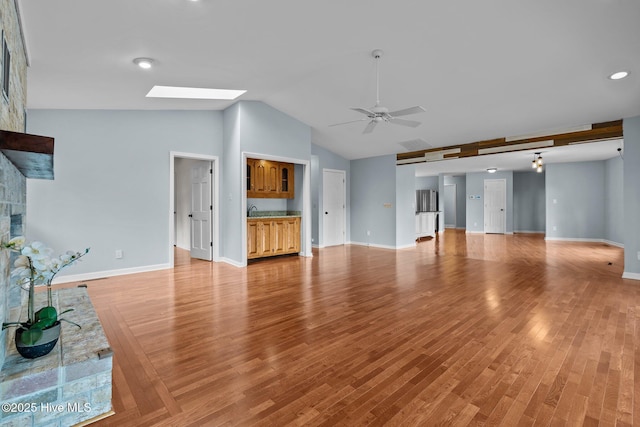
<point>344,203</point>
<point>215,188</point>
<point>504,217</point>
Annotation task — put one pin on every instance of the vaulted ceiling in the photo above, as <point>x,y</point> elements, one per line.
<point>481,69</point>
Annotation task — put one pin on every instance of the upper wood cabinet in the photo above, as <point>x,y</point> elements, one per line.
<point>270,179</point>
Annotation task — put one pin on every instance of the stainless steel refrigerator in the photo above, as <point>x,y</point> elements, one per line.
<point>426,201</point>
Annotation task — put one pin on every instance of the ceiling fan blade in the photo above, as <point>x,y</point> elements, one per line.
<point>413,110</point>
<point>364,111</point>
<point>350,121</point>
<point>370,127</point>
<point>404,122</point>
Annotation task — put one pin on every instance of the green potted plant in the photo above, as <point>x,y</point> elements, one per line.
<point>36,266</point>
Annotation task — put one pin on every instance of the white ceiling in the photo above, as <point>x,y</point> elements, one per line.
<point>481,69</point>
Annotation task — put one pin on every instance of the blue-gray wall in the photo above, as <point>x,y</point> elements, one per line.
<point>529,213</point>
<point>405,206</point>
<point>631,176</point>
<point>232,187</point>
<point>373,184</point>
<point>461,198</point>
<point>475,207</point>
<point>575,200</point>
<point>325,159</point>
<point>111,186</point>
<point>614,201</point>
<point>427,183</point>
<point>256,128</point>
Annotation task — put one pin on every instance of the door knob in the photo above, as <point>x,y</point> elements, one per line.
<point>326,213</point>
<point>190,215</point>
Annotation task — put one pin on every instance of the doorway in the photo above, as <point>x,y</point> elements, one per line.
<point>194,205</point>
<point>495,204</point>
<point>333,207</point>
<point>450,206</point>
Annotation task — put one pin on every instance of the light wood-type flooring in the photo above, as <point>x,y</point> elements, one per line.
<point>461,330</point>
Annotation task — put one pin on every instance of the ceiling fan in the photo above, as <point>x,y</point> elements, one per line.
<point>378,113</point>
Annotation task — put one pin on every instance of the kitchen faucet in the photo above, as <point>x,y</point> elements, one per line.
<point>251,207</point>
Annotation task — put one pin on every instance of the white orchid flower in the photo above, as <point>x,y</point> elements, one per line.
<point>37,250</point>
<point>21,261</point>
<point>17,243</point>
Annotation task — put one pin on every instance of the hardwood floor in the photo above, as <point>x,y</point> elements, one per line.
<point>462,330</point>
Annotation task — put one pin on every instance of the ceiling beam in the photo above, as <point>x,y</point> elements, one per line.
<point>589,133</point>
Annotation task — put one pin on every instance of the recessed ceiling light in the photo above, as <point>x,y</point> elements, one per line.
<point>492,170</point>
<point>619,75</point>
<point>145,63</point>
<point>193,93</point>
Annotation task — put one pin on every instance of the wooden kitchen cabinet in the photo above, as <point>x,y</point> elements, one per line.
<point>272,236</point>
<point>270,179</point>
<point>285,177</point>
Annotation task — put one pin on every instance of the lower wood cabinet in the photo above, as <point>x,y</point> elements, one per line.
<point>272,236</point>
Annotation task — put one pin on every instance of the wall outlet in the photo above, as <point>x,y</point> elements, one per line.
<point>368,232</point>
<point>638,255</point>
<point>555,228</point>
<point>118,253</point>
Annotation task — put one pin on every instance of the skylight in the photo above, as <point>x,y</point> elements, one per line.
<point>193,93</point>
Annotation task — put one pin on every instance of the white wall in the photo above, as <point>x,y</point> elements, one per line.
<point>111,186</point>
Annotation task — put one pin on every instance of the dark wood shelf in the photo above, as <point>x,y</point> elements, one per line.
<point>31,154</point>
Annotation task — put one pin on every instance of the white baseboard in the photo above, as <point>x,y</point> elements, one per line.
<point>633,276</point>
<point>474,232</point>
<point>232,262</point>
<point>373,245</point>
<point>410,245</point>
<point>110,273</point>
<point>575,239</point>
<point>528,231</point>
<point>612,243</point>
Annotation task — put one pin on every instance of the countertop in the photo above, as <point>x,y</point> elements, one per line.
<point>273,214</point>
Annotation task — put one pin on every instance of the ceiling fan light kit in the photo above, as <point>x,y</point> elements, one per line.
<point>378,113</point>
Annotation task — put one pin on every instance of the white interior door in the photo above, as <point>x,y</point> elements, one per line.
<point>201,210</point>
<point>450,212</point>
<point>495,205</point>
<point>334,207</point>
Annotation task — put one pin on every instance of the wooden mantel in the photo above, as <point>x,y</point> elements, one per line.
<point>31,154</point>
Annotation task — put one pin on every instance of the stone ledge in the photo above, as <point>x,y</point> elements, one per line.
<point>77,372</point>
